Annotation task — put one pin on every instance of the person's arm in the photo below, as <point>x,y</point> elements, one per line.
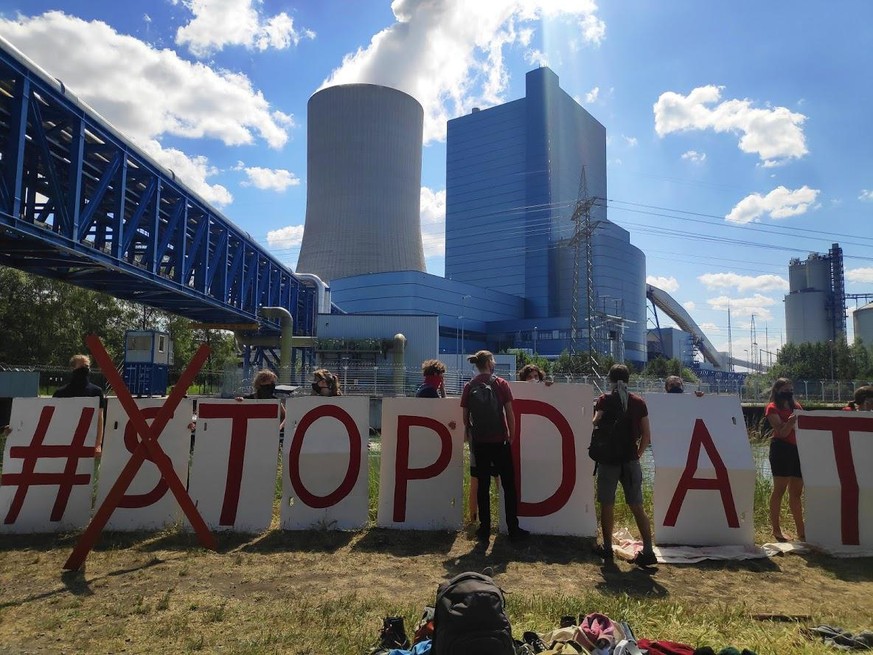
<point>781,429</point>
<point>645,436</point>
<point>598,416</point>
<point>510,421</point>
<point>98,448</point>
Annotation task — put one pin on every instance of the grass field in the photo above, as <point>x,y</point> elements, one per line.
<point>322,592</point>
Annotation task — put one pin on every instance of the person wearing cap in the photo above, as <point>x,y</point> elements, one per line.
<point>491,448</point>
<point>675,384</point>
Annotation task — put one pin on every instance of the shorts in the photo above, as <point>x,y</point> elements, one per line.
<point>784,459</point>
<point>630,474</point>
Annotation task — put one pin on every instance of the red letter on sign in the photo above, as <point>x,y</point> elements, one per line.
<point>131,442</point>
<point>849,502</point>
<point>701,437</point>
<point>402,473</point>
<point>352,473</point>
<point>37,450</point>
<point>240,413</point>
<point>568,458</point>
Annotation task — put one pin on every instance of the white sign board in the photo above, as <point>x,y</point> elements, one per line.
<point>553,470</point>
<point>704,470</point>
<point>48,465</point>
<point>836,450</point>
<point>325,481</point>
<point>148,503</point>
<point>422,480</point>
<point>233,467</point>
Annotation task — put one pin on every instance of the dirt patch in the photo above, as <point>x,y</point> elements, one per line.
<point>256,595</point>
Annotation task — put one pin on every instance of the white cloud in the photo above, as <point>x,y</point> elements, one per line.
<point>774,134</point>
<point>148,93</point>
<point>448,54</point>
<point>866,195</point>
<point>220,23</point>
<point>631,141</point>
<point>433,222</point>
<point>694,156</point>
<point>756,304</point>
<point>668,284</point>
<point>744,283</point>
<point>779,203</point>
<point>689,305</point>
<point>285,238</point>
<point>591,96</point>
<point>862,275</point>
<point>536,57</point>
<point>709,327</point>
<point>273,179</point>
<point>193,172</point>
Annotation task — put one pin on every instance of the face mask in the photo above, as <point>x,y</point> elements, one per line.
<point>266,391</point>
<point>675,390</point>
<point>785,395</point>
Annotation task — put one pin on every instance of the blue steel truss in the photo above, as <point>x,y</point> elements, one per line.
<point>80,203</point>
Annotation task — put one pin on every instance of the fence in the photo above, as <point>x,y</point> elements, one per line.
<point>388,380</point>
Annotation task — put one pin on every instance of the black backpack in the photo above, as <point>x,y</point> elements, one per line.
<point>469,618</point>
<point>612,440</point>
<point>486,413</point>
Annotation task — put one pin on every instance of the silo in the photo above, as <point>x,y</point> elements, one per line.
<point>862,320</point>
<point>818,272</point>
<point>806,317</point>
<point>796,276</point>
<point>363,182</point>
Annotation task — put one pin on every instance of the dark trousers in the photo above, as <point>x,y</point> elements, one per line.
<point>496,458</point>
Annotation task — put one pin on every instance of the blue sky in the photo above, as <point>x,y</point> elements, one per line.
<point>738,132</point>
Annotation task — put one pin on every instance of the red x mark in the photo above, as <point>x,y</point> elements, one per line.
<point>149,444</point>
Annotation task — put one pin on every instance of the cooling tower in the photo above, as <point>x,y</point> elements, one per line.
<point>363,182</point>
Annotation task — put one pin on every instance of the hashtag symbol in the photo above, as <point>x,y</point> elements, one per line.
<point>37,450</point>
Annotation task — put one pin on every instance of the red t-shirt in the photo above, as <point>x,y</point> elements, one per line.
<point>504,395</point>
<point>636,406</point>
<point>784,415</point>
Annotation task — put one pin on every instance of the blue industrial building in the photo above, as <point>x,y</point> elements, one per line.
<point>512,182</point>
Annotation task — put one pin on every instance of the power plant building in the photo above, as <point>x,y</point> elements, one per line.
<point>513,177</point>
<point>512,182</point>
<point>363,182</point>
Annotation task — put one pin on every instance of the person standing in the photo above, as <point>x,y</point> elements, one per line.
<point>433,371</point>
<point>487,408</point>
<point>784,458</point>
<point>325,383</point>
<point>628,417</point>
<point>862,400</point>
<point>675,384</point>
<point>80,386</point>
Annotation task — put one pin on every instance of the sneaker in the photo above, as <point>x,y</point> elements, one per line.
<point>393,633</point>
<point>644,559</point>
<point>519,534</point>
<point>533,640</point>
<point>603,552</point>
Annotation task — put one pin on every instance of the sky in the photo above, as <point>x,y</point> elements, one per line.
<point>738,133</point>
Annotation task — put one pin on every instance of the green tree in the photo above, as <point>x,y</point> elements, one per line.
<point>45,321</point>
